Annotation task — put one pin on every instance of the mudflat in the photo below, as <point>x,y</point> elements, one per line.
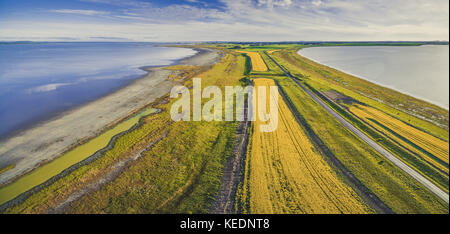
<point>47,140</point>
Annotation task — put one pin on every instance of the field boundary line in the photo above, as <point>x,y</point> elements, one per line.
<point>231,173</point>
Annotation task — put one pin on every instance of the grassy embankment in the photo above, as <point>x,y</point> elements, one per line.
<point>179,173</point>
<point>396,189</point>
<point>285,173</point>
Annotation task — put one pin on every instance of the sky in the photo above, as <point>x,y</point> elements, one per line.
<point>224,20</point>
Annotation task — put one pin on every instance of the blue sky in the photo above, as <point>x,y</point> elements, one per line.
<point>223,20</point>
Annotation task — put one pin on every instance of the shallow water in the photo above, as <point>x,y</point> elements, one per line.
<point>420,71</point>
<point>76,155</point>
<point>39,80</point>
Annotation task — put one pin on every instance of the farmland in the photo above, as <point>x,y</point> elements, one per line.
<point>397,190</point>
<point>285,174</point>
<point>369,167</point>
<point>256,61</point>
<point>432,149</point>
<point>416,113</point>
<point>392,186</point>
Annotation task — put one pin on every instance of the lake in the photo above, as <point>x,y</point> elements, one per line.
<point>420,71</point>
<point>40,80</point>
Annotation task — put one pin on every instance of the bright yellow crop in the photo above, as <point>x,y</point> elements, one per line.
<point>285,174</point>
<point>411,138</point>
<point>257,62</point>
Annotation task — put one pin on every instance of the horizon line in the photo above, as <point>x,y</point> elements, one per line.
<point>218,41</point>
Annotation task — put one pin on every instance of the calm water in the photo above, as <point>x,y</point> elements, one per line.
<point>420,71</point>
<point>39,80</point>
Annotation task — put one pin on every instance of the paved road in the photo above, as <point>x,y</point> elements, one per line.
<point>417,176</point>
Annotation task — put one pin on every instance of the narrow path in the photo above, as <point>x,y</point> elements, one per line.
<point>397,162</point>
<point>225,199</point>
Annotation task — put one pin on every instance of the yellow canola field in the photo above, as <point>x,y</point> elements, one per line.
<point>257,62</point>
<point>435,146</point>
<point>285,174</point>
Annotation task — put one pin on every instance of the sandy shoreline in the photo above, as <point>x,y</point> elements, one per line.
<point>50,139</point>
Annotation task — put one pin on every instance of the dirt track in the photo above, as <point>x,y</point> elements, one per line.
<point>225,203</point>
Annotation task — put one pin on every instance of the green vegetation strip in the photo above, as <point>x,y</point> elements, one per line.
<point>47,171</point>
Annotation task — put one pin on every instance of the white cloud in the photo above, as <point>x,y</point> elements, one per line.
<point>274,3</point>
<point>79,12</point>
<point>247,20</point>
<point>316,3</point>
